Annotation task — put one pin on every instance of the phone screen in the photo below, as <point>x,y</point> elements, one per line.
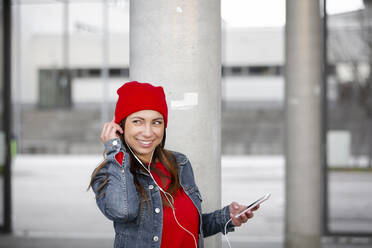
<point>252,205</point>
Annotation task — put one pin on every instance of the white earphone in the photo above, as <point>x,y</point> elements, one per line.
<point>166,194</point>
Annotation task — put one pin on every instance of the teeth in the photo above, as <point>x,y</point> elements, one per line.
<point>145,142</point>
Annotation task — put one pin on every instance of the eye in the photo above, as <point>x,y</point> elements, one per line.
<point>157,122</point>
<point>136,121</point>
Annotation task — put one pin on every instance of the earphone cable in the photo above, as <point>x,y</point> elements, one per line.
<point>225,234</point>
<point>163,191</point>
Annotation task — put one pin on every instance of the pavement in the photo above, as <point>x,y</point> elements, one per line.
<point>51,207</point>
<point>32,242</point>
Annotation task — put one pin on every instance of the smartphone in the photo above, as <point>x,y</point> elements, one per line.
<point>255,203</point>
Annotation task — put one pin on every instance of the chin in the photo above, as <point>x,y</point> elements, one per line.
<point>143,152</point>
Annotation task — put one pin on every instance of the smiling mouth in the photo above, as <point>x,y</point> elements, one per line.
<point>144,142</point>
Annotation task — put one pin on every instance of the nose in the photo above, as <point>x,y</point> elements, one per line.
<point>147,131</point>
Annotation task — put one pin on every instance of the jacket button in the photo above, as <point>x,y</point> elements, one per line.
<point>151,186</point>
<point>155,238</point>
<point>115,142</point>
<point>157,210</point>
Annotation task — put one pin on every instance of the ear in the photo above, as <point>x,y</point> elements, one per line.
<point>121,136</point>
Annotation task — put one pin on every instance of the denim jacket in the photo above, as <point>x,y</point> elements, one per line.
<point>119,201</point>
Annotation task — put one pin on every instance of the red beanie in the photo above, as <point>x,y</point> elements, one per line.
<point>135,96</point>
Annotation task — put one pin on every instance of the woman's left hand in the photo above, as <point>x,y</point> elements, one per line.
<point>236,208</point>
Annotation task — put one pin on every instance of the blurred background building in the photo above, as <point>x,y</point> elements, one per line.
<point>59,74</point>
<point>69,57</point>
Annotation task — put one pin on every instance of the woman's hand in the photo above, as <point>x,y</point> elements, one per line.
<point>236,208</point>
<point>109,131</point>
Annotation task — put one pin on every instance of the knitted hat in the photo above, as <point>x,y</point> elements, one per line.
<point>135,96</point>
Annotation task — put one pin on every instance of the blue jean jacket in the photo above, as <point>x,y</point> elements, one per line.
<point>121,202</point>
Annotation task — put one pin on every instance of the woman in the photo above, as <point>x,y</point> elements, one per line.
<point>147,191</point>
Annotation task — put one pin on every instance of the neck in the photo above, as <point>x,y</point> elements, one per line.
<point>145,159</point>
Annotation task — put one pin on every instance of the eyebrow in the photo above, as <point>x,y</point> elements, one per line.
<point>158,118</point>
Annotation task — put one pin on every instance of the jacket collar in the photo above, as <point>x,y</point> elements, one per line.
<point>181,160</point>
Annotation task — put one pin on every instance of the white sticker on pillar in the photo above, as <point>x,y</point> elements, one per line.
<point>179,9</point>
<point>190,99</point>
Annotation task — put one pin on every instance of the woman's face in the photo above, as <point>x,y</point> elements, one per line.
<point>144,131</point>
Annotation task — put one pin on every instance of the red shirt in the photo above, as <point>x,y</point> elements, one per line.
<point>186,213</point>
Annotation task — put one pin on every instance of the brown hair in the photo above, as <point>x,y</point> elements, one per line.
<point>160,154</point>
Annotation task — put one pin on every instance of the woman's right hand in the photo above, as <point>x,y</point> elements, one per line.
<point>109,131</point>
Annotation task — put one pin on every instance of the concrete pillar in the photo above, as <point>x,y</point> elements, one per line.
<point>303,212</point>
<point>177,44</point>
<point>6,130</point>
<point>17,74</point>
